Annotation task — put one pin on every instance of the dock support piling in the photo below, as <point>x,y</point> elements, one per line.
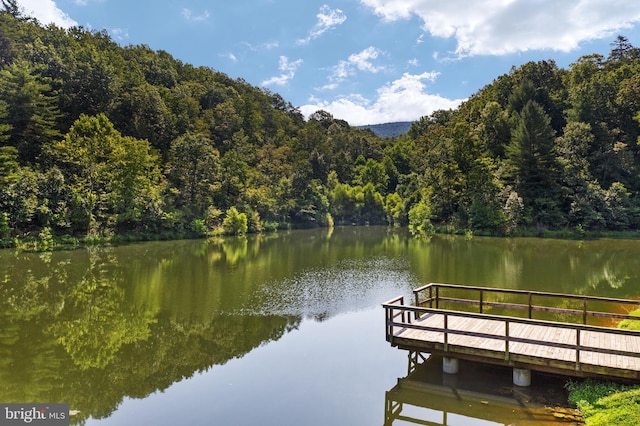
<point>450,365</point>
<point>521,377</point>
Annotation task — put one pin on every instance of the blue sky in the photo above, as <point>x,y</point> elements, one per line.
<point>364,61</point>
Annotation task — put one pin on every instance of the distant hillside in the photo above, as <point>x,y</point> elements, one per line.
<point>389,130</point>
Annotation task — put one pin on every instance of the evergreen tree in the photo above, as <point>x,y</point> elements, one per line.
<point>12,8</point>
<point>32,110</point>
<point>531,155</point>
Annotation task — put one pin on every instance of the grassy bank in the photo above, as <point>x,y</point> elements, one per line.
<point>606,403</point>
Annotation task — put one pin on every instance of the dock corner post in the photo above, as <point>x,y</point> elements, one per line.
<point>431,296</point>
<point>521,377</point>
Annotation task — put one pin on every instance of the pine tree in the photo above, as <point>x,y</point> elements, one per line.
<point>12,8</point>
<point>32,109</point>
<point>531,155</point>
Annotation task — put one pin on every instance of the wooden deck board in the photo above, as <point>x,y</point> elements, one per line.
<point>541,333</point>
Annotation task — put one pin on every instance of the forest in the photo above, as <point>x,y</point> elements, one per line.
<point>103,142</point>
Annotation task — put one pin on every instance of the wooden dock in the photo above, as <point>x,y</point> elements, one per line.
<point>526,330</point>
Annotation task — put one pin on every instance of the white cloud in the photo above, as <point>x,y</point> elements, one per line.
<point>328,19</point>
<point>288,72</point>
<point>86,2</point>
<point>120,33</point>
<point>231,57</point>
<point>189,15</point>
<point>496,27</point>
<point>405,99</point>
<point>46,12</point>
<point>269,45</point>
<point>362,61</point>
<point>330,86</point>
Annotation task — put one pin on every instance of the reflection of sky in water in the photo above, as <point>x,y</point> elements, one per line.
<point>348,286</point>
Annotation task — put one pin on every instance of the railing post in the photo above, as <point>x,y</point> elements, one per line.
<point>431,296</point>
<point>577,349</point>
<point>437,297</point>
<point>530,304</point>
<point>387,323</point>
<point>584,311</point>
<point>446,328</point>
<point>481,292</point>
<point>506,340</point>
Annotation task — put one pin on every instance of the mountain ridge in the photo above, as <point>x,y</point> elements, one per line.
<point>389,130</point>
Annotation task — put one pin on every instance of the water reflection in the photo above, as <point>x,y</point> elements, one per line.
<point>477,395</point>
<point>600,267</point>
<point>93,327</point>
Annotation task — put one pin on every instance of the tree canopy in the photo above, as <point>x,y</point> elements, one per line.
<point>100,140</point>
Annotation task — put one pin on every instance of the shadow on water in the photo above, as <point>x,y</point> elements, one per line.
<point>479,394</point>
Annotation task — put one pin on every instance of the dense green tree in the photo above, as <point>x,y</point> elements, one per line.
<point>420,218</point>
<point>137,185</point>
<point>531,155</point>
<point>89,82</point>
<point>372,172</point>
<point>346,203</point>
<point>372,205</point>
<point>8,164</point>
<point>494,129</point>
<point>111,177</point>
<point>395,210</point>
<point>19,199</point>
<point>143,114</point>
<point>486,204</point>
<point>235,176</point>
<point>235,223</point>
<point>193,171</point>
<point>32,109</point>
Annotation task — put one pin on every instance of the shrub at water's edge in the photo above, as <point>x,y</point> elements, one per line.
<point>605,403</point>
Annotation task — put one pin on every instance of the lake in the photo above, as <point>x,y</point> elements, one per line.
<point>281,329</point>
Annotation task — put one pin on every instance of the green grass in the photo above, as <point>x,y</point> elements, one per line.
<point>629,324</point>
<point>606,403</point>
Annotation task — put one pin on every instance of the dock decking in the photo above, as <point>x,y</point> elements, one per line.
<point>557,346</point>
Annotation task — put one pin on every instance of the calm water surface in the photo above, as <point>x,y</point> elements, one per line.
<point>282,329</point>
